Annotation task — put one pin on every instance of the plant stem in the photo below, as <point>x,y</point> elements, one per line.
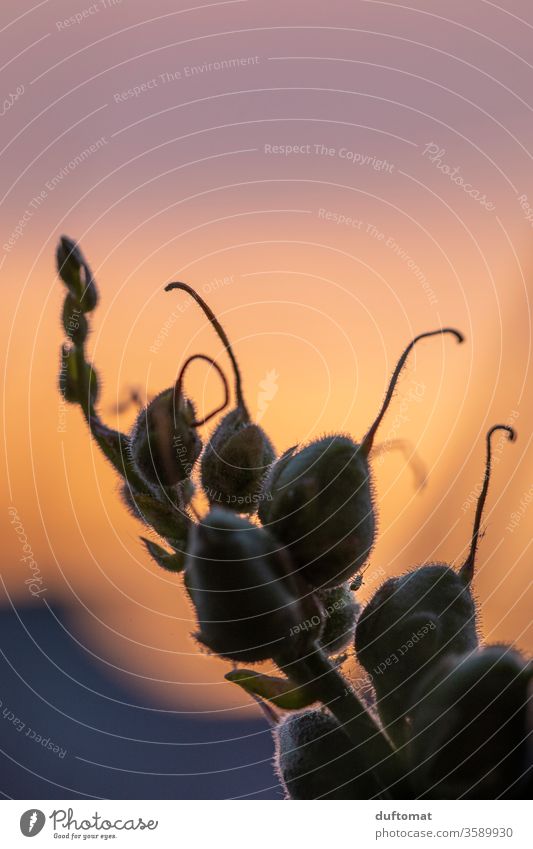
<point>317,672</point>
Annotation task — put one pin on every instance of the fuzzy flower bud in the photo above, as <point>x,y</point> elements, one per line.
<point>469,735</point>
<point>249,604</point>
<point>75,272</point>
<point>235,461</point>
<point>320,507</point>
<point>320,501</point>
<point>164,442</point>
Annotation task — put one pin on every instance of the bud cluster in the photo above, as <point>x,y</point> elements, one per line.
<point>272,568</point>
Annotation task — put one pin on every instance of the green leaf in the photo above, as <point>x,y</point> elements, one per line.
<point>280,691</point>
<point>172,562</point>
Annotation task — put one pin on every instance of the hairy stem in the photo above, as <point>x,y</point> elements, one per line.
<point>320,675</point>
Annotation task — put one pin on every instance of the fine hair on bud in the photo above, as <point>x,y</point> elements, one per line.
<point>239,452</point>
<point>164,440</point>
<point>320,503</point>
<point>470,728</point>
<point>415,619</point>
<point>316,760</point>
<point>249,603</point>
<point>340,615</point>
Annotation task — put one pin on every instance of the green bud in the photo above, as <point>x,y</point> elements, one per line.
<point>270,482</point>
<point>75,272</point>
<point>234,463</point>
<point>340,615</point>
<point>249,604</point>
<point>70,380</point>
<point>315,759</point>
<point>239,452</point>
<point>320,502</point>
<point>320,507</point>
<point>164,442</point>
<point>469,733</point>
<point>410,623</point>
<point>74,322</point>
<point>414,620</point>
<point>166,516</point>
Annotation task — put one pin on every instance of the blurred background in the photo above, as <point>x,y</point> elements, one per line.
<point>334,179</point>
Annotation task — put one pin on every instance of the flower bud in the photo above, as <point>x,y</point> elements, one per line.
<point>75,272</point>
<point>321,500</point>
<point>469,735</point>
<point>413,620</point>
<point>408,625</point>
<point>249,604</point>
<point>239,452</point>
<point>340,615</point>
<point>321,509</point>
<point>270,481</point>
<point>234,462</point>
<point>315,759</point>
<point>164,442</point>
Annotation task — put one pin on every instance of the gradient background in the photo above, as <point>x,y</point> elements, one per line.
<point>182,188</point>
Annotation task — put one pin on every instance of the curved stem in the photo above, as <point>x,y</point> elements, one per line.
<point>366,444</point>
<point>318,673</point>
<point>179,383</point>
<point>222,334</point>
<point>467,569</point>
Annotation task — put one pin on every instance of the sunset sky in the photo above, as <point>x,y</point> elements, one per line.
<point>334,178</point>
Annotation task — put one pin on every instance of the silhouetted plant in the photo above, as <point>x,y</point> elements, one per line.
<point>443,718</point>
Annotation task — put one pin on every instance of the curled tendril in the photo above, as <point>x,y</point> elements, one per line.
<point>179,384</point>
<point>369,438</point>
<point>222,335</point>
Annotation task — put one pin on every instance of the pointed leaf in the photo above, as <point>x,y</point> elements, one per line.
<point>280,691</point>
<point>172,562</point>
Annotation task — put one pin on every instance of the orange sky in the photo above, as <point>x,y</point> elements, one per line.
<point>186,186</point>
